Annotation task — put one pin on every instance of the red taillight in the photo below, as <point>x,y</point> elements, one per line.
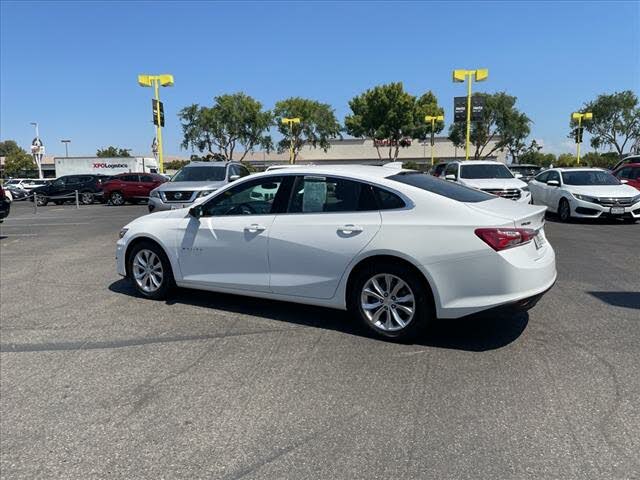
<point>503,238</point>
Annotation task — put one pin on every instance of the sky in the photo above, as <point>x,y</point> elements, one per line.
<point>72,66</point>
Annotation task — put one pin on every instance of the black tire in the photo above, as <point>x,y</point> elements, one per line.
<point>42,200</point>
<point>86,198</point>
<point>116,198</point>
<point>58,202</point>
<point>564,210</point>
<point>166,285</point>
<point>423,306</point>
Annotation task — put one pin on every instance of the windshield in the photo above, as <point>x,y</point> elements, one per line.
<point>589,177</point>
<point>484,171</point>
<point>200,174</point>
<point>13,182</point>
<point>455,191</point>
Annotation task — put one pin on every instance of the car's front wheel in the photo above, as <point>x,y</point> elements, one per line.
<point>564,210</point>
<point>392,301</point>
<point>150,271</point>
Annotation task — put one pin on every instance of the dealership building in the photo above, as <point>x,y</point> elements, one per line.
<point>363,151</point>
<point>346,151</point>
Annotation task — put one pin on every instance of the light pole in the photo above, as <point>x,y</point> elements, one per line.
<point>37,149</point>
<point>579,117</point>
<point>290,122</point>
<point>66,147</point>
<point>164,80</point>
<point>433,119</point>
<point>459,76</point>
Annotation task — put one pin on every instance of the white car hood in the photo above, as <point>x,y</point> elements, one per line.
<point>481,183</point>
<point>606,191</point>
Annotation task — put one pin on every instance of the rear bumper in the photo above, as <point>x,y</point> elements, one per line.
<point>517,276</point>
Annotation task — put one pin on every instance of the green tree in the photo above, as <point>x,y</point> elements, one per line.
<point>233,120</point>
<point>616,120</point>
<point>9,146</point>
<point>112,152</point>
<point>18,163</point>
<point>566,160</point>
<point>602,160</point>
<point>175,164</point>
<point>318,124</point>
<point>536,157</point>
<point>501,122</point>
<point>392,117</point>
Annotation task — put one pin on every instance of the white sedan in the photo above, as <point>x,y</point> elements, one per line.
<point>585,193</point>
<point>397,248</point>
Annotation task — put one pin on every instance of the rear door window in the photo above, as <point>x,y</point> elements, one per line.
<point>315,194</point>
<point>444,188</point>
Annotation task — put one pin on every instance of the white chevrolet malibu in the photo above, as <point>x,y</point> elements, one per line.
<point>395,247</point>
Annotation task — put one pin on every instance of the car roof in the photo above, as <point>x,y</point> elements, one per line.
<point>578,169</point>
<point>626,165</point>
<point>525,165</point>
<point>479,162</point>
<point>359,172</point>
<point>209,164</point>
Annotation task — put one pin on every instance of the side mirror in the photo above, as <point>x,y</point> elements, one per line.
<point>518,175</point>
<point>553,183</point>
<point>233,178</point>
<point>624,181</point>
<point>450,177</point>
<point>196,212</point>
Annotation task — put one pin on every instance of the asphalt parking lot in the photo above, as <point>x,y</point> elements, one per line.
<point>96,382</point>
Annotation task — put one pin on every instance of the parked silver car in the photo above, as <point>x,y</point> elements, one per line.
<point>195,180</point>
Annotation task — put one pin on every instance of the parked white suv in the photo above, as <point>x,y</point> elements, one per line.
<point>193,181</point>
<point>491,177</point>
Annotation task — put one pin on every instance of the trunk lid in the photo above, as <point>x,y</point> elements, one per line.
<point>519,214</point>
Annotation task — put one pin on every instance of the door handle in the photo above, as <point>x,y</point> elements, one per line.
<point>350,228</point>
<point>254,228</point>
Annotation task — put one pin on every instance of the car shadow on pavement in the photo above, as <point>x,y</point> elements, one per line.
<point>619,299</point>
<point>553,218</point>
<point>476,333</point>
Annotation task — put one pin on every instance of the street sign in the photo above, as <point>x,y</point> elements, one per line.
<point>459,109</point>
<point>433,138</point>
<point>578,134</point>
<point>477,107</point>
<point>155,105</point>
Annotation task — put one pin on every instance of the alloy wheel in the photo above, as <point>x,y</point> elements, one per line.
<point>147,271</point>
<point>86,198</point>
<point>117,198</point>
<point>388,303</point>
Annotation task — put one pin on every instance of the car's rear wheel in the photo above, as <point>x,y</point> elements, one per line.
<point>564,210</point>
<point>58,202</point>
<point>116,198</point>
<point>86,198</point>
<point>150,271</point>
<point>391,300</point>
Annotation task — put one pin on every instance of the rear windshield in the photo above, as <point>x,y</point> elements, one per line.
<point>485,171</point>
<point>525,170</point>
<point>444,188</point>
<point>589,177</point>
<point>200,174</point>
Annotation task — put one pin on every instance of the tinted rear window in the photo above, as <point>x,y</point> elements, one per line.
<point>444,188</point>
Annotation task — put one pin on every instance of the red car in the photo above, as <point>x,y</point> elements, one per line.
<point>130,187</point>
<point>629,172</point>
